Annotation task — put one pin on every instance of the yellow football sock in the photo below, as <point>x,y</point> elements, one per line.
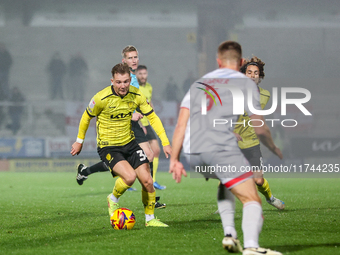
<point>119,188</point>
<point>149,200</point>
<point>155,167</point>
<point>265,189</point>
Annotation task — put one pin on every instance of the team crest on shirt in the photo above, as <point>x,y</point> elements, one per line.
<point>131,105</point>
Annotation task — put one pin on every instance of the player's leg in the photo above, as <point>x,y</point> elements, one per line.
<point>252,218</point>
<point>143,142</point>
<point>252,212</point>
<point>156,150</point>
<point>226,208</point>
<point>153,143</point>
<point>263,187</point>
<point>84,171</point>
<point>139,161</point>
<point>127,177</point>
<point>225,199</point>
<point>141,139</point>
<point>150,137</point>
<point>147,150</point>
<point>254,156</point>
<point>148,196</point>
<point>115,159</point>
<point>239,181</point>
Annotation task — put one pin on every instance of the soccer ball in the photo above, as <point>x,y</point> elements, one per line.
<point>122,218</point>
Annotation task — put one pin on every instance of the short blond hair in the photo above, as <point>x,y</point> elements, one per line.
<point>129,48</point>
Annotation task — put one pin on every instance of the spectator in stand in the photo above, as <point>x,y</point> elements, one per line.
<point>171,91</point>
<point>78,76</point>
<point>15,110</point>
<point>57,70</point>
<point>2,99</point>
<point>5,66</point>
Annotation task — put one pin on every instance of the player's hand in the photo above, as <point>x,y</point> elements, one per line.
<point>238,137</point>
<point>278,152</point>
<point>136,116</point>
<point>177,170</point>
<point>167,150</point>
<point>76,148</point>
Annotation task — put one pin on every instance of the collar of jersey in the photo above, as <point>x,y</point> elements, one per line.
<point>114,92</point>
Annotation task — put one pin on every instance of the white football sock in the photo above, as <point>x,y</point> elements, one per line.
<point>114,199</point>
<point>252,222</point>
<point>226,208</point>
<point>149,217</point>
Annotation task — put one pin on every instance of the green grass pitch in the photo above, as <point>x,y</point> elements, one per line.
<point>48,213</point>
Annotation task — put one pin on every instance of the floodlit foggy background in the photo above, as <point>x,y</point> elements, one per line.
<point>298,40</point>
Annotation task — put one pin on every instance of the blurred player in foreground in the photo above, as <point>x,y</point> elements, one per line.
<point>146,89</point>
<point>113,108</point>
<point>248,140</point>
<point>206,144</point>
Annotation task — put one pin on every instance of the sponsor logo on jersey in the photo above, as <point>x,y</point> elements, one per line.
<point>121,115</point>
<point>92,103</point>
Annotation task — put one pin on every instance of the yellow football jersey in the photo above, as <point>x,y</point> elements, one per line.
<point>147,91</point>
<point>247,133</point>
<point>114,115</point>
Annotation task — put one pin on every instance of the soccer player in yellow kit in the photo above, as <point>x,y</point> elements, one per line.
<point>247,138</point>
<point>113,108</point>
<point>146,89</point>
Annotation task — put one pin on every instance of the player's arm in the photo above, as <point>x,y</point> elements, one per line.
<point>176,167</point>
<point>157,125</point>
<point>83,126</point>
<point>263,133</point>
<point>93,109</point>
<point>261,129</point>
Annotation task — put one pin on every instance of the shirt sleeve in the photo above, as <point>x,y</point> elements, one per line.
<point>143,105</point>
<point>95,106</point>
<point>157,125</point>
<point>154,120</point>
<point>84,125</point>
<point>186,100</point>
<point>93,109</point>
<point>252,88</point>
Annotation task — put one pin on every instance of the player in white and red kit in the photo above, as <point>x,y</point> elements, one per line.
<point>206,132</point>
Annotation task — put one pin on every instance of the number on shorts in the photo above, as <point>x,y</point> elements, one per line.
<point>141,154</point>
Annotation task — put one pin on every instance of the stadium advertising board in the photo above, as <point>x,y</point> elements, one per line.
<point>316,147</point>
<point>22,147</point>
<point>59,147</point>
<point>47,165</point>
